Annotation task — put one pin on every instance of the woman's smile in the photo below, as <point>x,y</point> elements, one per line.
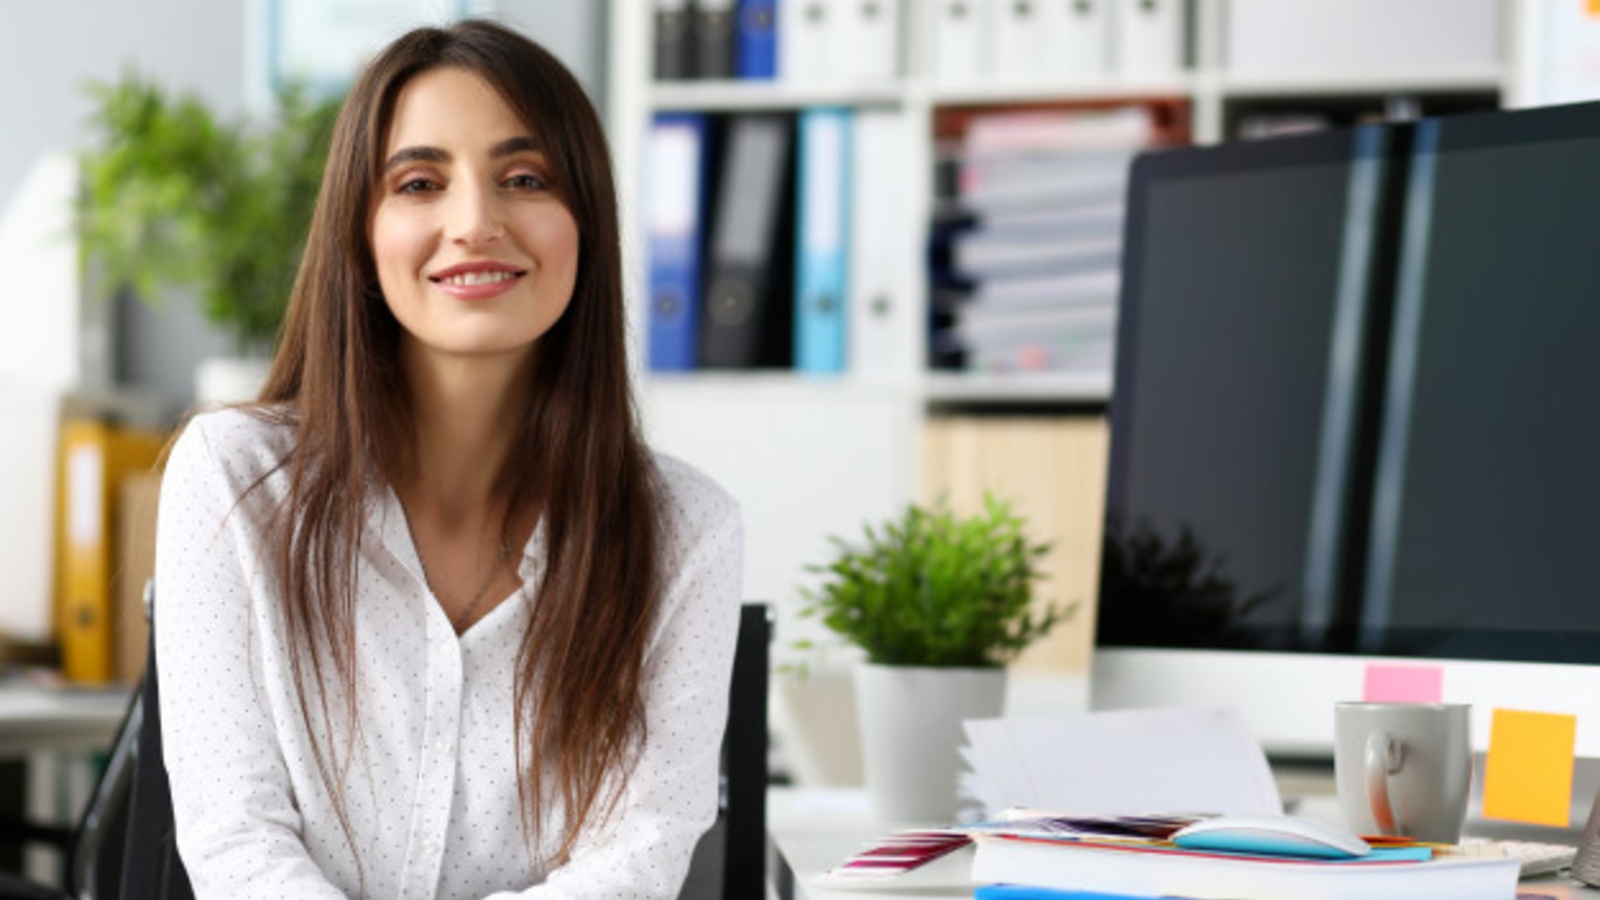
<point>478,280</point>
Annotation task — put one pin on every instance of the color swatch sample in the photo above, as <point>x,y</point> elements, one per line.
<point>1528,774</point>
<point>1403,684</point>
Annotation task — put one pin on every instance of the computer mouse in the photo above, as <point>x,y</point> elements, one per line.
<point>1275,835</point>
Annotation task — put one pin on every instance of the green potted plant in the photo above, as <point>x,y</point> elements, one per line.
<point>939,604</point>
<point>175,196</point>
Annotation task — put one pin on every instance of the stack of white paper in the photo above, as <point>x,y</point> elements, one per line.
<point>1125,762</point>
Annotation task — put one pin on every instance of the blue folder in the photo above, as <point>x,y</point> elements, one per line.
<point>822,240</point>
<point>676,173</point>
<point>755,40</point>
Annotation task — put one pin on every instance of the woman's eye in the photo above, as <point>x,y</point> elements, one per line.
<point>527,181</point>
<point>416,186</point>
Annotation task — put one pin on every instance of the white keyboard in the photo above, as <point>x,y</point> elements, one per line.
<point>1537,858</point>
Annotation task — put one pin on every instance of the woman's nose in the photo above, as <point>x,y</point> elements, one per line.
<point>475,217</point>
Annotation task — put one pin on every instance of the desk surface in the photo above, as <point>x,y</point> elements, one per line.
<point>37,719</point>
<point>813,831</point>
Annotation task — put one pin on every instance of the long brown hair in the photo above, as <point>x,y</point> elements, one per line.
<point>577,457</point>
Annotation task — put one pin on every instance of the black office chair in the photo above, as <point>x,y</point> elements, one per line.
<point>730,862</point>
<point>109,860</point>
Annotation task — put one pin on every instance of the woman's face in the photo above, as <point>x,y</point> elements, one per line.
<point>475,253</point>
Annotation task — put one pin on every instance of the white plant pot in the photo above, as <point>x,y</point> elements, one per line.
<point>910,721</point>
<point>222,380</point>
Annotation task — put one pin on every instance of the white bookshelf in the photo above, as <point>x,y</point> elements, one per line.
<point>782,439</point>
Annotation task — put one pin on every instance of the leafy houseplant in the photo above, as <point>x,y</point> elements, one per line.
<point>176,196</point>
<point>939,604</point>
<point>934,589</point>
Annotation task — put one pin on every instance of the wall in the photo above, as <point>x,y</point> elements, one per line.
<point>49,51</point>
<point>574,32</point>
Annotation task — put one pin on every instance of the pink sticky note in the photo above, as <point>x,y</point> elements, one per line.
<point>1403,684</point>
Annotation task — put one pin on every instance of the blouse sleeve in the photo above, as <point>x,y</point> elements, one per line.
<point>643,852</point>
<point>238,831</point>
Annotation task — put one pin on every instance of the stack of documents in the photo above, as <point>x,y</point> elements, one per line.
<point>1195,759</point>
<point>1141,787</point>
<point>1028,236</point>
<point>1054,862</point>
<point>1028,855</point>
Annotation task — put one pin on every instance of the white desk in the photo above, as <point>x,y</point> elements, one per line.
<point>813,831</point>
<point>54,730</point>
<point>36,719</point>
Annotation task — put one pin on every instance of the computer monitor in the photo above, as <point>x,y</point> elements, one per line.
<point>1356,423</point>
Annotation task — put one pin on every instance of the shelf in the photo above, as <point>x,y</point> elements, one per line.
<point>1108,89</point>
<point>719,96</point>
<point>742,95</point>
<point>811,455</point>
<point>1040,387</point>
<point>937,387</point>
<point>1475,79</point>
<point>768,381</point>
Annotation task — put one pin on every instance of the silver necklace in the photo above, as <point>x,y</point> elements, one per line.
<point>500,555</point>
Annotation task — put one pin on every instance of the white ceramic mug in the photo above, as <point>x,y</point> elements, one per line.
<point>1404,768</point>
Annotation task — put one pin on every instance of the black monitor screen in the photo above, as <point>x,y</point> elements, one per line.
<point>1488,484</point>
<point>1352,381</point>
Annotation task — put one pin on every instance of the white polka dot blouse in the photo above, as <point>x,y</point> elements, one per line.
<point>430,784</point>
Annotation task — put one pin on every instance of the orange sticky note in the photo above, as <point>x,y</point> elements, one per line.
<point>1403,684</point>
<point>1528,774</point>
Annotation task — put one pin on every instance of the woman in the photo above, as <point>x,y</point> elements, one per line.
<point>432,622</point>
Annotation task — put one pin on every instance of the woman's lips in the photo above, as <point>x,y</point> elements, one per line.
<point>477,282</point>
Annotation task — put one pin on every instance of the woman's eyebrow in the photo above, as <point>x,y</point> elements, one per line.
<point>513,146</point>
<point>416,154</point>
<point>507,147</point>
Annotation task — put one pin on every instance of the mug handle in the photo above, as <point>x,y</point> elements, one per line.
<point>1384,757</point>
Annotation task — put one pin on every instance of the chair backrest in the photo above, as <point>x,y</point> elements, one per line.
<point>151,868</point>
<point>112,861</point>
<point>730,862</point>
<point>95,859</point>
<point>744,758</point>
